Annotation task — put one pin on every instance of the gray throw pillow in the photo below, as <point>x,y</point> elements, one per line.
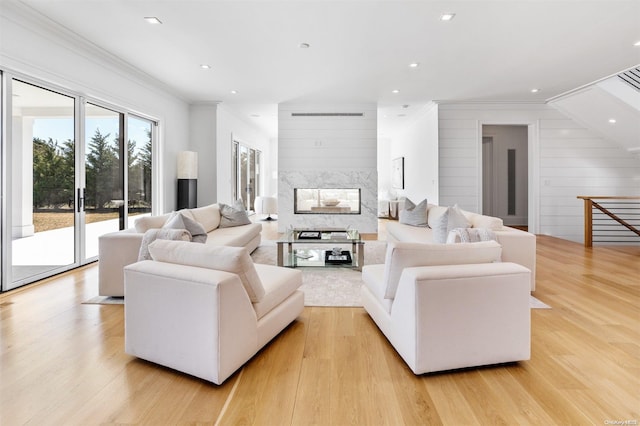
<point>451,219</point>
<point>180,221</point>
<point>234,215</point>
<point>414,215</point>
<point>160,234</point>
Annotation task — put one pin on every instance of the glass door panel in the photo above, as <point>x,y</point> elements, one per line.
<point>139,148</point>
<point>42,180</point>
<point>103,194</point>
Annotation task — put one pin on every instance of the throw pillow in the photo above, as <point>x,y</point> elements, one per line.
<point>234,215</point>
<point>160,234</point>
<point>180,221</point>
<point>470,235</point>
<point>235,260</point>
<point>414,215</point>
<point>451,219</point>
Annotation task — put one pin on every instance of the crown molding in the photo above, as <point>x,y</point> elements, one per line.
<point>35,22</point>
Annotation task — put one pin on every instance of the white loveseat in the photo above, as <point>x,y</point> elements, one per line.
<point>119,249</point>
<point>445,307</point>
<point>206,310</point>
<point>517,246</point>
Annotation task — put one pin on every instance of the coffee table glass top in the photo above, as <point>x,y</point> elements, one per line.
<point>321,235</point>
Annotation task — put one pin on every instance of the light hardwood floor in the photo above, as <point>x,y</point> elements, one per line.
<point>62,362</point>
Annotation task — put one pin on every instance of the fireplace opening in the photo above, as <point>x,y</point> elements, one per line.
<point>326,200</point>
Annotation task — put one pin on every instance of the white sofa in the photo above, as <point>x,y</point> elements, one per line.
<point>449,307</point>
<point>119,249</point>
<point>517,246</point>
<point>206,310</point>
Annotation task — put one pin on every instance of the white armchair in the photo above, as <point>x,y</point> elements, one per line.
<point>445,307</point>
<point>206,310</point>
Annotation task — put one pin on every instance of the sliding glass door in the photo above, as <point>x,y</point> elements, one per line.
<point>42,182</point>
<point>61,196</point>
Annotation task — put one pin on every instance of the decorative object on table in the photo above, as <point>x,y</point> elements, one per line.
<point>266,205</point>
<point>309,235</point>
<point>337,257</point>
<point>187,180</point>
<point>397,172</point>
<point>330,202</point>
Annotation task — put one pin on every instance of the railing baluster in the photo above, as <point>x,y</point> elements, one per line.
<point>589,205</point>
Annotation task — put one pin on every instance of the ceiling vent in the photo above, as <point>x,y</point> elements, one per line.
<point>631,77</point>
<point>327,114</point>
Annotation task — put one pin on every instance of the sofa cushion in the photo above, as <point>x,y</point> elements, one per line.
<point>236,236</point>
<point>180,221</point>
<point>229,259</point>
<point>414,215</point>
<point>160,234</point>
<point>373,279</point>
<point>483,221</point>
<point>235,215</point>
<point>208,216</point>
<point>450,219</point>
<point>407,255</point>
<point>470,235</point>
<point>279,283</point>
<point>144,223</point>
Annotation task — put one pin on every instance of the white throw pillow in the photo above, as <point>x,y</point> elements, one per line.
<point>451,219</point>
<point>470,235</point>
<point>401,255</point>
<point>235,260</point>
<point>180,221</point>
<point>160,234</point>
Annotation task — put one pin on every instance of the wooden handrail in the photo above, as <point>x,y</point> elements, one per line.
<point>589,204</point>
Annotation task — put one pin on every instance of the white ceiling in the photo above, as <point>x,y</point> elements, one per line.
<point>360,50</point>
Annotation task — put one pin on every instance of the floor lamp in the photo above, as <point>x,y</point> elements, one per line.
<point>187,180</point>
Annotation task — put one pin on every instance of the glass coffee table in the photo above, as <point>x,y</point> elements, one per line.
<point>321,247</point>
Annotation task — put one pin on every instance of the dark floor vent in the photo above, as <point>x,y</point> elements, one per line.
<point>327,114</point>
<point>631,77</point>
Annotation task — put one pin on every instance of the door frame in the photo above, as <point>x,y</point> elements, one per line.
<point>533,162</point>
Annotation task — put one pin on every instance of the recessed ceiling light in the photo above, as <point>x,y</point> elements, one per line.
<point>304,45</point>
<point>205,66</point>
<point>395,91</point>
<point>535,90</point>
<point>612,120</point>
<point>152,20</point>
<point>414,65</point>
<point>447,16</point>
<point>234,92</point>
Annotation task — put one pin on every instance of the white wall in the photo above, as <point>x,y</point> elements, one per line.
<point>33,47</point>
<point>203,125</point>
<point>565,161</point>
<point>418,144</point>
<point>230,126</point>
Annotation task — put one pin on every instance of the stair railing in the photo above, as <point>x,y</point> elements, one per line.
<point>610,219</point>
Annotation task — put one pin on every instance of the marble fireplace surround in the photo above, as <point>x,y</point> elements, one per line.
<point>367,180</point>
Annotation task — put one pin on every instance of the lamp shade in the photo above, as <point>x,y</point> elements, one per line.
<point>187,165</point>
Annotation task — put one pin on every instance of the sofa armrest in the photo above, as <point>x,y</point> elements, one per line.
<point>454,316</point>
<point>519,247</point>
<point>200,321</point>
<point>115,251</point>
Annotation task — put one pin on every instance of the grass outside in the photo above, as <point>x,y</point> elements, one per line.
<point>56,220</point>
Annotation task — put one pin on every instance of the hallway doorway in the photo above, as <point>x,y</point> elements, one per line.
<point>505,186</point>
